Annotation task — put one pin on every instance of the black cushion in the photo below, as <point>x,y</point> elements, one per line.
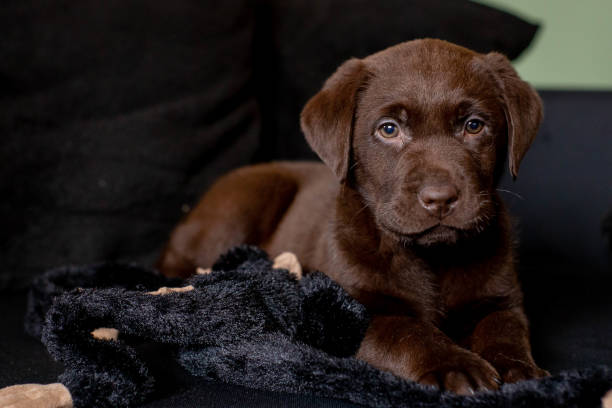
<point>564,185</point>
<point>115,115</point>
<point>560,202</point>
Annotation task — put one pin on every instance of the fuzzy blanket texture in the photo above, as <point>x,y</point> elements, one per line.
<point>245,323</point>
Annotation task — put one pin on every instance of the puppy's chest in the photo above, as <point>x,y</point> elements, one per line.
<point>434,294</point>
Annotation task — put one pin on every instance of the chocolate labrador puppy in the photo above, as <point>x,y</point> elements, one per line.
<point>405,215</point>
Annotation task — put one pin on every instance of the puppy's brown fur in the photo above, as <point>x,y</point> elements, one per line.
<point>408,222</point>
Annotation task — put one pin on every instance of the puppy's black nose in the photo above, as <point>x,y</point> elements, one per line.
<point>438,200</point>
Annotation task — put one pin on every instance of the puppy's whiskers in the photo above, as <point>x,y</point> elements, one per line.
<point>511,192</point>
<point>361,209</point>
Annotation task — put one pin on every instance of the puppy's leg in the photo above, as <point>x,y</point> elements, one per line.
<point>502,338</point>
<point>419,351</point>
<point>243,207</point>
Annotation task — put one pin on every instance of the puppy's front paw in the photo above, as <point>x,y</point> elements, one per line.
<point>462,372</point>
<point>514,371</point>
<point>513,364</point>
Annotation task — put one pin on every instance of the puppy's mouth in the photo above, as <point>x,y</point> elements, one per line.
<point>436,234</point>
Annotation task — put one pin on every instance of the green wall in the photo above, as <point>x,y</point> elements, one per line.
<point>573,47</point>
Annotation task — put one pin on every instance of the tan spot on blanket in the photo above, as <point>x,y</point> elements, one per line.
<point>203,271</point>
<point>105,333</point>
<point>288,261</point>
<point>606,401</point>
<point>35,396</point>
<point>165,290</point>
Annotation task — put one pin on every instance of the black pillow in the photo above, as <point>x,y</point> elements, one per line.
<point>114,116</point>
<point>606,227</point>
<point>301,42</point>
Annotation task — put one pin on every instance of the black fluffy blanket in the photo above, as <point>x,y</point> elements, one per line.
<point>248,324</point>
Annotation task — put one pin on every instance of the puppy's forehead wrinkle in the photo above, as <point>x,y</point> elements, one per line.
<point>428,72</point>
<point>424,97</point>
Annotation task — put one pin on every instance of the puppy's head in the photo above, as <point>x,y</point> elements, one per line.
<point>421,131</point>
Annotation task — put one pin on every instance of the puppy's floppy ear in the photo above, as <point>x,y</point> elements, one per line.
<point>327,118</point>
<point>522,106</point>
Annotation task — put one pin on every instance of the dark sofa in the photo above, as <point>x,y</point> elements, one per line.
<point>115,116</point>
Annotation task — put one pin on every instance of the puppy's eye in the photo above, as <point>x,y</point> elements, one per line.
<point>388,130</point>
<point>474,126</point>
